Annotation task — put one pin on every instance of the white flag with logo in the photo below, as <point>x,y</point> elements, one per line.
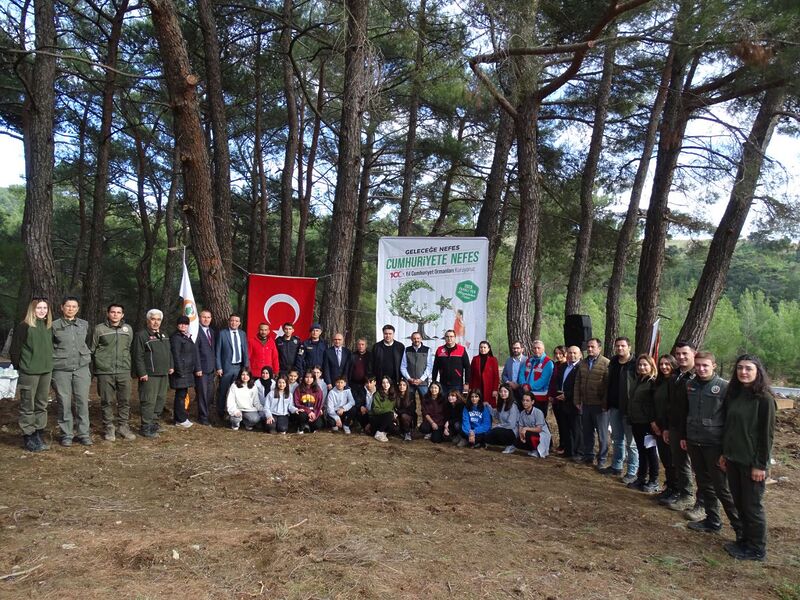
<point>189,307</point>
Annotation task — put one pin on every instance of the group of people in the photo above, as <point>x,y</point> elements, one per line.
<point>677,412</point>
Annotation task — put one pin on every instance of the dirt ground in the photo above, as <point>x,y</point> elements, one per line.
<point>211,513</point>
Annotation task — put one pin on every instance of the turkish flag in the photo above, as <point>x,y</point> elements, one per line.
<point>275,300</point>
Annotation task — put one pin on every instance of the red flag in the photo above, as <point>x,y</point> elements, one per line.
<point>276,300</point>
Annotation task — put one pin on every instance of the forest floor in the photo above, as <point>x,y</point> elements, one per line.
<point>211,513</point>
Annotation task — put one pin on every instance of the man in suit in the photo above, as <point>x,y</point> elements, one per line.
<point>336,361</point>
<point>230,356</point>
<point>571,421</point>
<point>591,388</point>
<point>204,384</point>
<point>512,367</point>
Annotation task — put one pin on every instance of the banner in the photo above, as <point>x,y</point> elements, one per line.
<point>276,300</point>
<point>189,307</point>
<point>431,285</point>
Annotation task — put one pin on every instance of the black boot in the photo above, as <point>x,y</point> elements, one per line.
<point>38,434</point>
<point>29,443</point>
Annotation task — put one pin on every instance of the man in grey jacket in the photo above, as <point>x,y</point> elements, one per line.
<point>111,358</point>
<point>71,375</point>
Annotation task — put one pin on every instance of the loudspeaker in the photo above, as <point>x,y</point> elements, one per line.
<point>577,330</point>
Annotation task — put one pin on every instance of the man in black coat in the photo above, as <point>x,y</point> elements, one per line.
<point>572,418</point>
<point>204,383</point>
<point>387,356</point>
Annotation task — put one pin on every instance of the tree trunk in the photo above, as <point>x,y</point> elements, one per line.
<point>259,264</point>
<point>150,227</point>
<point>93,288</point>
<point>404,220</point>
<point>305,200</point>
<point>219,126</point>
<point>198,202</point>
<point>715,271</point>
<point>345,202</point>
<point>538,306</point>
<point>518,315</point>
<point>628,227</point>
<point>489,226</point>
<point>37,123</point>
<point>171,286</point>
<point>290,154</point>
<point>444,205</point>
<point>651,262</point>
<point>80,186</point>
<point>580,259</point>
<point>357,270</point>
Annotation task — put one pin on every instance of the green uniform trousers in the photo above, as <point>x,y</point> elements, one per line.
<point>680,464</point>
<point>72,390</point>
<point>152,396</point>
<point>748,495</point>
<point>712,484</point>
<point>34,392</point>
<point>115,388</point>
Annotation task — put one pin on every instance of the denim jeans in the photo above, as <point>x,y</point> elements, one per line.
<point>621,432</point>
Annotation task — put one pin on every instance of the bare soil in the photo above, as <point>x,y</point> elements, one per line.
<point>211,513</point>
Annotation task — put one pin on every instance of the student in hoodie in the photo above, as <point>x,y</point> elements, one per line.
<point>308,401</point>
<point>533,434</point>
<point>507,416</point>
<point>454,409</point>
<point>381,414</point>
<point>364,405</point>
<point>476,420</point>
<point>277,405</point>
<point>340,406</point>
<point>406,410</point>
<point>434,413</point>
<point>535,374</point>
<point>242,403</point>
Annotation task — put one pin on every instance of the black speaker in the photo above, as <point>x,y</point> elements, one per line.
<point>577,330</point>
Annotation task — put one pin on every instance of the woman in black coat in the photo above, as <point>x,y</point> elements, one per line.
<point>186,359</point>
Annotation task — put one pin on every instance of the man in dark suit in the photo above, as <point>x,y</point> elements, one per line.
<point>336,361</point>
<point>204,384</point>
<point>230,356</point>
<point>571,422</point>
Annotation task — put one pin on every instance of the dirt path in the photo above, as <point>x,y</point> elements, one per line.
<point>211,513</point>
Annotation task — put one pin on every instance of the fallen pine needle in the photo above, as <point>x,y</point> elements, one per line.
<point>18,573</point>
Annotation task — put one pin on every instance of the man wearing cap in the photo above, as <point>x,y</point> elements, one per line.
<point>230,357</point>
<point>312,352</point>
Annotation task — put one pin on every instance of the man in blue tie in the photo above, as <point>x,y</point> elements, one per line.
<point>230,357</point>
<point>204,384</point>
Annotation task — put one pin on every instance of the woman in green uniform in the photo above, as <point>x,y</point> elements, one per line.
<point>746,447</point>
<point>32,355</point>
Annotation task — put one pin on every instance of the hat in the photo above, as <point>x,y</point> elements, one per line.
<point>316,326</point>
<point>183,320</point>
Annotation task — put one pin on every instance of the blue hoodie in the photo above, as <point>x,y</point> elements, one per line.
<point>473,420</point>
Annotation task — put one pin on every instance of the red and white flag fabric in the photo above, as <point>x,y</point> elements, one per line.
<point>275,300</point>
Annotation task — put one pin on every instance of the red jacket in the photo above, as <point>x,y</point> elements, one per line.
<point>263,355</point>
<point>487,381</point>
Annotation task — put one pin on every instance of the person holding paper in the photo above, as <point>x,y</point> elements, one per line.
<point>641,412</point>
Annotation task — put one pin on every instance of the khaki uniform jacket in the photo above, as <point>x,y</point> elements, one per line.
<point>591,386</point>
<point>111,348</point>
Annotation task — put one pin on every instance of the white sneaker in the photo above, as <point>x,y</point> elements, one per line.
<point>381,437</point>
<point>185,424</point>
<point>534,454</point>
<point>234,427</point>
<point>346,429</point>
<point>510,449</point>
<point>300,431</point>
<point>334,429</point>
<point>407,437</point>
<point>427,436</point>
